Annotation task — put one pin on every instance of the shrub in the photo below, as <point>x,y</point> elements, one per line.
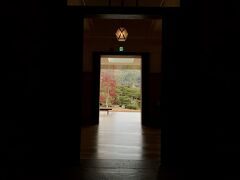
<point>132,106</point>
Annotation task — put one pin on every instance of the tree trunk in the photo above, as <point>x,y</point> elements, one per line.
<point>107,96</point>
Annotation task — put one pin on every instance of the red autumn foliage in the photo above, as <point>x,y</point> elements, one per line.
<point>107,88</point>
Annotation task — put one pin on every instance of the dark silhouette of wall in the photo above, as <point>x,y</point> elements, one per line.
<point>41,90</point>
<point>199,92</point>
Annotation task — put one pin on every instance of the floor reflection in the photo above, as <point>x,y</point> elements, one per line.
<point>120,135</point>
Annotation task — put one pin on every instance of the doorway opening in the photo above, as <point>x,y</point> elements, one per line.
<point>120,85</point>
<point>120,99</point>
<point>120,134</point>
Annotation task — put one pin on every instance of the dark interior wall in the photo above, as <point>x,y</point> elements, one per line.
<point>26,43</point>
<point>224,72</point>
<point>188,95</point>
<point>199,92</point>
<point>41,90</point>
<point>152,46</point>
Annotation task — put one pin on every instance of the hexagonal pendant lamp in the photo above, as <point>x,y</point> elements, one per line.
<point>121,34</point>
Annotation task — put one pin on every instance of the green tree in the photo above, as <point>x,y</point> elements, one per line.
<point>128,97</point>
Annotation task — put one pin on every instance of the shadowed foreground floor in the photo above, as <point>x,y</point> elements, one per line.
<point>119,148</point>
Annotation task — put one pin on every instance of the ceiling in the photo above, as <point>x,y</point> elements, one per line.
<point>126,3</point>
<point>137,27</point>
<point>136,60</point>
<point>136,64</point>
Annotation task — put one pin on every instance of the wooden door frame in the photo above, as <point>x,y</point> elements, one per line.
<point>144,80</point>
<point>83,12</point>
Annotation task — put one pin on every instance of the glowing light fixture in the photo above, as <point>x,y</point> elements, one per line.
<point>121,34</point>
